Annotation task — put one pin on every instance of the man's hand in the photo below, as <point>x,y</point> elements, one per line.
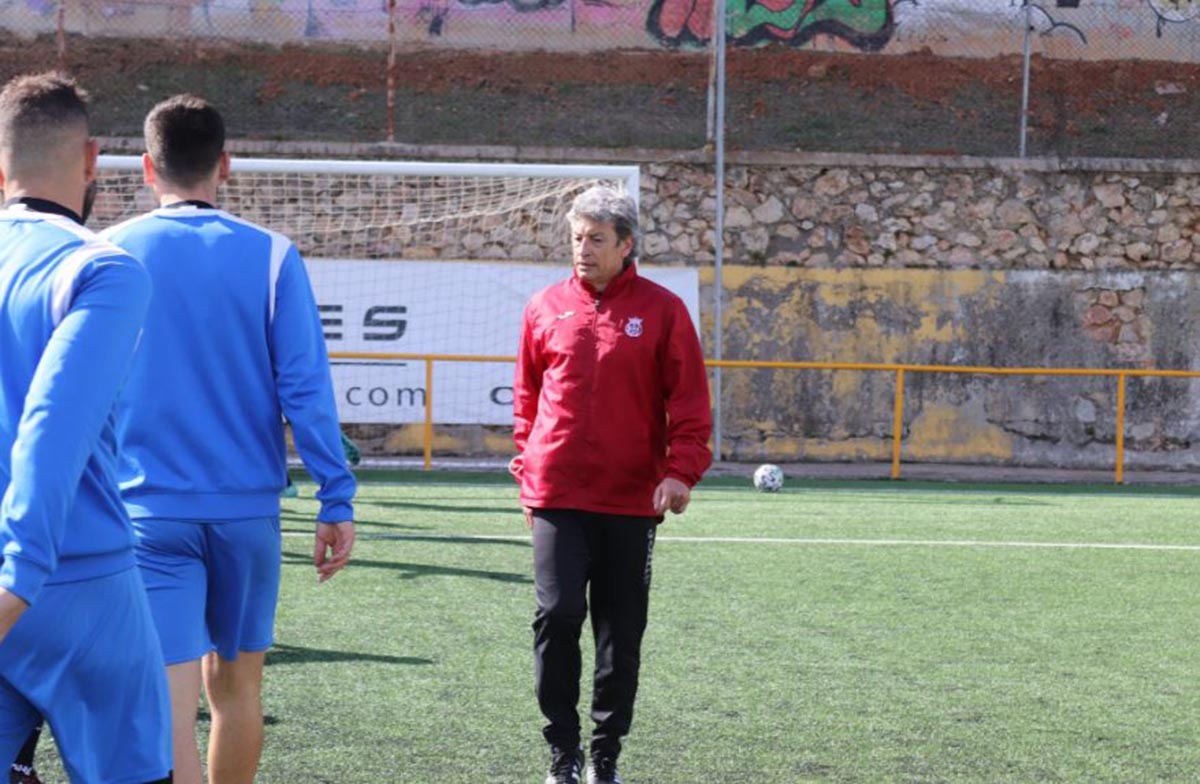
<point>331,548</point>
<point>671,494</point>
<point>11,608</point>
<point>528,510</point>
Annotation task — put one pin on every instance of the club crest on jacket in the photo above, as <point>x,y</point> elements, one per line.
<point>633,327</point>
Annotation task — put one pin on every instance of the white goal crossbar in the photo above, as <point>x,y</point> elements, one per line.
<point>629,175</point>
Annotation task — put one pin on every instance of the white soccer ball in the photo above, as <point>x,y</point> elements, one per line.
<point>768,478</point>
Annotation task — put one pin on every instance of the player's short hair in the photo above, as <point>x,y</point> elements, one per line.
<point>185,137</point>
<point>38,114</point>
<point>603,204</point>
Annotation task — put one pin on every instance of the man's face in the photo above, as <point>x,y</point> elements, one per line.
<point>597,254</point>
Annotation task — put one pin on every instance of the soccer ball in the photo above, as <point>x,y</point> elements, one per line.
<point>768,478</point>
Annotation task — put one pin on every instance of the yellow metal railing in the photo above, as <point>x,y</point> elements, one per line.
<point>428,359</point>
<point>899,369</point>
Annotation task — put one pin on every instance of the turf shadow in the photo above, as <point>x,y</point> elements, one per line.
<point>296,517</point>
<point>497,510</point>
<point>449,539</point>
<point>295,654</point>
<point>412,571</point>
<point>363,536</point>
<point>204,717</point>
<point>358,526</point>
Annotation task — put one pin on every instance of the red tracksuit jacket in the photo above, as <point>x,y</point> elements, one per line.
<point>610,397</point>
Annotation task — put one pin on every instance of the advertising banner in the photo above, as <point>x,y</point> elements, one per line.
<point>437,307</point>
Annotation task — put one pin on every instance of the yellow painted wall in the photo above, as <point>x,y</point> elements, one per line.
<point>850,315</point>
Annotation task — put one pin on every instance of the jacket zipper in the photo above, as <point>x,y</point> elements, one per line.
<point>592,396</point>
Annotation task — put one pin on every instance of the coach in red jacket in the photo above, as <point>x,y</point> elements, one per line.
<point>611,422</point>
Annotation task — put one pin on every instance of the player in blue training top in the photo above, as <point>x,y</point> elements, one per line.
<point>77,641</point>
<point>232,344</point>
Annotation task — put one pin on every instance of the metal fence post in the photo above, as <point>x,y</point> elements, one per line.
<point>719,223</point>
<point>391,72</point>
<point>897,422</point>
<point>1120,477</point>
<point>61,35</point>
<point>427,436</point>
<point>1025,76</point>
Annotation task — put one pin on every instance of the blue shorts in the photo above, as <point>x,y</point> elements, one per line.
<point>213,585</point>
<point>85,656</point>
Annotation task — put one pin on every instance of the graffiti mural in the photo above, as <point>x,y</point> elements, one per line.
<point>1084,29</point>
<point>520,5</point>
<point>1047,23</point>
<point>864,24</point>
<point>44,8</point>
<point>1174,11</point>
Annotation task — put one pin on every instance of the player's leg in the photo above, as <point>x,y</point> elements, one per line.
<point>244,572</point>
<point>289,490</point>
<point>234,690</point>
<point>561,558</point>
<point>110,707</point>
<point>17,716</point>
<point>351,451</point>
<point>620,593</point>
<point>171,558</point>
<point>184,682</point>
<point>22,771</point>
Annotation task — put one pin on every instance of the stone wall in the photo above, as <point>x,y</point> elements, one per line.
<point>925,217</point>
<point>995,264</point>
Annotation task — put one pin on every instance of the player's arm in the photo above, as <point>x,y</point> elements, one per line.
<point>11,609</point>
<point>689,413</point>
<point>527,387</point>
<point>306,395</point>
<point>69,400</point>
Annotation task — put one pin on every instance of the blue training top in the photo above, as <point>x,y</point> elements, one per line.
<point>233,343</point>
<point>71,306</point>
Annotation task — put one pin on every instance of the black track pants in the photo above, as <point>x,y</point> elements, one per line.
<point>610,554</point>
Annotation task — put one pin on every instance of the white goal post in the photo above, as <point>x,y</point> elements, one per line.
<point>410,258</point>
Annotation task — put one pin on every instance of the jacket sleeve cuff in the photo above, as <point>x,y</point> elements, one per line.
<point>336,512</point>
<point>22,578</point>
<point>688,479</point>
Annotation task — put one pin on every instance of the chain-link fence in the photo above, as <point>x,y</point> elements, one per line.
<point>561,25</point>
<point>559,73</point>
<point>1111,78</point>
<point>1106,78</point>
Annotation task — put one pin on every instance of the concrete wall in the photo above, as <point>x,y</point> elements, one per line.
<point>1002,318</point>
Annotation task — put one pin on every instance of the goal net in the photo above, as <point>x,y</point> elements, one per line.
<point>408,261</point>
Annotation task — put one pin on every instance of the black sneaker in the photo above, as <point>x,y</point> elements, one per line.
<point>565,766</point>
<point>603,770</point>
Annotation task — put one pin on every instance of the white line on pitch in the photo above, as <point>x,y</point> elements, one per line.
<point>933,543</point>
<point>797,541</point>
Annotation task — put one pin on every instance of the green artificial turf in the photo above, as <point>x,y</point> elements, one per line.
<point>842,632</point>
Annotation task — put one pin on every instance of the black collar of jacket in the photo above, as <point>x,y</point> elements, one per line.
<point>45,205</point>
<point>197,203</point>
